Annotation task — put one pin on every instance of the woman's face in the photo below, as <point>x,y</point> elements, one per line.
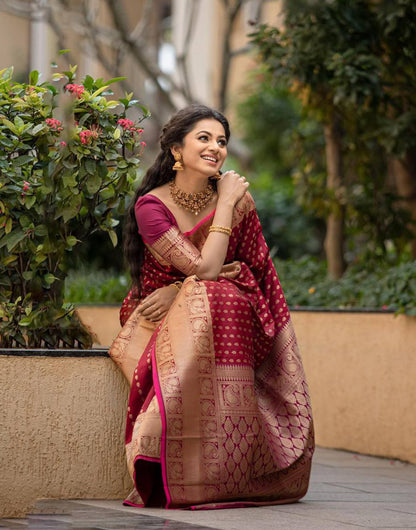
<point>204,148</point>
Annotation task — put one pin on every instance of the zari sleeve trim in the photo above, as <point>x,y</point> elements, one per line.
<point>178,251</point>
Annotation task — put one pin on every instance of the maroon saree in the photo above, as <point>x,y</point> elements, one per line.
<point>219,413</point>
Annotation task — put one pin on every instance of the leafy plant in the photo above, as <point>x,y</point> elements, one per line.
<point>351,66</point>
<point>306,284</point>
<point>95,286</point>
<point>68,158</point>
<point>288,230</point>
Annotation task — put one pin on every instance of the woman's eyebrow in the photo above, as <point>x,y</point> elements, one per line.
<point>210,134</point>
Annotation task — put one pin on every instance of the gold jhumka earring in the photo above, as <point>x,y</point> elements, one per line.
<point>178,164</point>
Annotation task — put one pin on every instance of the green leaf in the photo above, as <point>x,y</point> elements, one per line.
<point>22,160</point>
<point>26,321</point>
<point>58,76</point>
<point>7,260</point>
<point>41,230</point>
<point>39,127</point>
<point>39,258</point>
<point>11,126</point>
<point>9,226</point>
<point>71,241</point>
<point>116,134</point>
<point>88,82</point>
<point>90,166</point>
<point>71,210</point>
<point>107,193</point>
<point>19,122</point>
<point>25,221</point>
<point>98,92</point>
<point>33,77</point>
<point>62,52</point>
<point>49,278</point>
<point>12,239</point>
<point>69,180</point>
<point>102,170</point>
<point>30,201</point>
<point>115,80</point>
<point>93,184</point>
<point>113,237</point>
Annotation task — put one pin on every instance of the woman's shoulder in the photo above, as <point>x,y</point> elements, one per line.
<point>246,203</point>
<point>156,195</point>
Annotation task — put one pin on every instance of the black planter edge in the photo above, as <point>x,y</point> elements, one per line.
<point>41,352</point>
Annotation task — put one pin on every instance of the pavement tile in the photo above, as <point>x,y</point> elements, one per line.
<point>14,523</point>
<point>360,514</point>
<point>346,491</point>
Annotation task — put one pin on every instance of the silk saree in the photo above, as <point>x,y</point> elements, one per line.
<point>219,413</point>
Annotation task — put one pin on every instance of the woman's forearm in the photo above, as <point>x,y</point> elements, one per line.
<point>214,251</point>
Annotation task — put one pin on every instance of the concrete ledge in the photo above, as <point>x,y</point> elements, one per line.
<point>361,370</point>
<point>62,425</point>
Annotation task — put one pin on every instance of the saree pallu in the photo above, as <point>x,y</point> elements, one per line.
<point>219,413</point>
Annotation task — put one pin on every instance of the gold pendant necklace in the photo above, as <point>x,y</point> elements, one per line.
<point>193,202</point>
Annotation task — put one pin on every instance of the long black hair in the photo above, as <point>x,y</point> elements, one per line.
<point>161,172</point>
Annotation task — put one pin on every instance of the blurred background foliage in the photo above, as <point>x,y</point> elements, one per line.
<point>328,116</point>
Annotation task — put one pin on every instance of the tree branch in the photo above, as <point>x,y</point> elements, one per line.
<point>181,58</point>
<point>120,22</point>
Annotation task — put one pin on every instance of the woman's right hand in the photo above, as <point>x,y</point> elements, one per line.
<point>231,187</point>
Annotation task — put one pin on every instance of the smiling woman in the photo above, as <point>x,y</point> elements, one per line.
<point>219,412</point>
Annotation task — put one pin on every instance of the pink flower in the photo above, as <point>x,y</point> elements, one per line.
<point>62,144</point>
<point>89,134</point>
<point>55,125</point>
<point>143,144</point>
<point>85,136</point>
<point>384,307</point>
<point>78,90</point>
<point>125,123</point>
<point>26,185</point>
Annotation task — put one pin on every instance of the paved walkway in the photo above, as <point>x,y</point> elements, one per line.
<point>347,491</point>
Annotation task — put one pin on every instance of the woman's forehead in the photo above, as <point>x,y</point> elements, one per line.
<point>209,125</point>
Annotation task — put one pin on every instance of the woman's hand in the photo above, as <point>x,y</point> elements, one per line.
<point>231,187</point>
<point>155,306</point>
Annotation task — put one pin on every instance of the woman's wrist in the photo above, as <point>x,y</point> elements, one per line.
<point>226,202</point>
<point>177,285</point>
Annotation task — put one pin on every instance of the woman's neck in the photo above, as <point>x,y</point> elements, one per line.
<point>191,184</point>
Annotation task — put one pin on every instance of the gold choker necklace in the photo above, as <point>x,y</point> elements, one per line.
<point>193,202</point>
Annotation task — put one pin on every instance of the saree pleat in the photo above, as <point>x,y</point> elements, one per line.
<point>219,404</point>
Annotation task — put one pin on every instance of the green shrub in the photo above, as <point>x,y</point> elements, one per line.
<point>289,232</point>
<point>385,288</point>
<point>88,286</point>
<point>68,159</point>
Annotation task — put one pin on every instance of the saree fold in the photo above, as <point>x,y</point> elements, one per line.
<point>219,413</point>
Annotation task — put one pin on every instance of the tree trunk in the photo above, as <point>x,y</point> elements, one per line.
<point>405,176</point>
<point>334,239</point>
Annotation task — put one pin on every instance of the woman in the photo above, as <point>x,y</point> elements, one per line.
<point>219,411</point>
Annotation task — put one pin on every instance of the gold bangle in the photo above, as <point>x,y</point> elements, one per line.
<point>178,285</point>
<point>220,229</point>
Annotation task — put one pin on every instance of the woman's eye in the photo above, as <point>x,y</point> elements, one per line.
<point>203,137</point>
<point>222,143</point>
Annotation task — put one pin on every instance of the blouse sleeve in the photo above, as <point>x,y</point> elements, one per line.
<point>153,218</point>
<point>160,231</point>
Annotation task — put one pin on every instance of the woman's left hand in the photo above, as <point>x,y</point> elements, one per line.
<point>155,306</point>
